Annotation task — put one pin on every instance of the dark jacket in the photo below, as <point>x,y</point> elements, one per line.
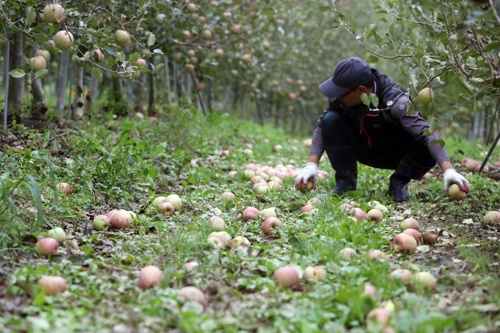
<point>387,125</point>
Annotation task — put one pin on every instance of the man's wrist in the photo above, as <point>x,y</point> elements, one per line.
<point>314,159</point>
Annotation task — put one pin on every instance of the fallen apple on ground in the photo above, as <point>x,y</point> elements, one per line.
<point>347,253</point>
<point>58,234</point>
<point>47,246</point>
<point>175,200</point>
<point>52,285</point>
<point>370,290</point>
<point>492,217</point>
<point>239,241</point>
<point>424,280</point>
<point>190,265</point>
<point>403,275</point>
<point>375,215</point>
<point>217,223</point>
<point>192,294</point>
<point>286,277</point>
<point>149,277</point>
<point>101,222</point>
<point>314,273</point>
<point>270,225</point>
<point>404,243</point>
<point>376,255</point>
<point>410,223</point>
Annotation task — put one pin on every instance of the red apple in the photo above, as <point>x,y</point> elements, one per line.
<point>149,277</point>
<point>192,294</point>
<point>492,217</point>
<point>359,214</point>
<point>403,243</point>
<point>270,224</point>
<point>250,213</point>
<point>414,233</point>
<point>165,208</point>
<point>286,277</point>
<point>65,188</point>
<point>379,315</point>
<point>47,246</point>
<point>121,219</point>
<point>403,275</point>
<point>52,285</point>
<point>370,290</point>
<point>376,255</point>
<point>409,223</point>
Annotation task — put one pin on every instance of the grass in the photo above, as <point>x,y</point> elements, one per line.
<point>127,163</point>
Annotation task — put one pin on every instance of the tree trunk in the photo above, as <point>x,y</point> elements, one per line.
<point>117,87</point>
<point>152,90</point>
<point>61,82</point>
<point>210,96</point>
<point>91,95</point>
<point>38,107</point>
<point>79,102</point>
<point>16,86</point>
<point>139,92</point>
<point>167,80</point>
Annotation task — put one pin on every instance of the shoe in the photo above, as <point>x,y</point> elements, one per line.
<point>343,161</point>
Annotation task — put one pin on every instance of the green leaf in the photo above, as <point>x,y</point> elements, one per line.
<point>374,99</point>
<point>352,24</point>
<point>39,299</point>
<point>159,68</point>
<point>35,192</point>
<point>151,39</point>
<point>30,15</point>
<point>492,47</point>
<point>437,142</point>
<point>87,249</point>
<point>411,109</point>
<point>41,73</point>
<point>432,125</point>
<point>372,59</point>
<point>378,39</point>
<point>133,57</point>
<point>120,56</point>
<point>17,73</point>
<point>414,36</point>
<point>370,30</point>
<point>365,99</point>
<point>98,74</point>
<point>392,32</point>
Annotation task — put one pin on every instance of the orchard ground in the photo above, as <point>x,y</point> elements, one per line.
<point>126,164</point>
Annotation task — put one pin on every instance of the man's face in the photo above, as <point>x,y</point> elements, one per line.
<point>352,97</point>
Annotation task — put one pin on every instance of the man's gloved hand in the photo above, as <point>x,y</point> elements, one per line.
<point>452,177</point>
<point>309,172</point>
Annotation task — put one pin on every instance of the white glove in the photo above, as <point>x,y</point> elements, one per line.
<point>307,172</point>
<point>452,177</point>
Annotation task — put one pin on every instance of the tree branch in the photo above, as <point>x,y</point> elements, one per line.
<point>466,73</point>
<point>494,11</point>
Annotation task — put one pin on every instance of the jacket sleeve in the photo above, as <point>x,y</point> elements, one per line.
<point>416,125</point>
<point>317,147</point>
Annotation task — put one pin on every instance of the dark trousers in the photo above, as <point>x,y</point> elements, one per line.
<point>339,131</point>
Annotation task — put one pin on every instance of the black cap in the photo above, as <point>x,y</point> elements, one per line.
<point>349,73</point>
